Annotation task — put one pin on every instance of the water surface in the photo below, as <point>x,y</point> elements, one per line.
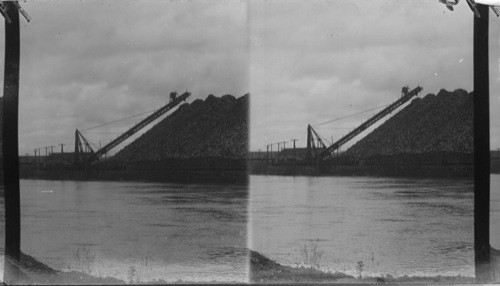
<point>392,226</point>
<point>137,231</point>
<point>146,232</point>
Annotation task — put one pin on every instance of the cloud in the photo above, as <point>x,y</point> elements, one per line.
<point>312,62</point>
<point>84,63</point>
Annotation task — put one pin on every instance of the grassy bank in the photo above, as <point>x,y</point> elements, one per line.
<point>30,271</point>
<point>264,270</point>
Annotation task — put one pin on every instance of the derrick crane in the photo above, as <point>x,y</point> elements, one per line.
<point>314,147</point>
<point>82,147</point>
<point>405,97</point>
<point>94,156</point>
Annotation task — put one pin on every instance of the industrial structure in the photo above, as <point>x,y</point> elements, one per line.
<point>84,153</point>
<point>422,140</point>
<point>316,148</point>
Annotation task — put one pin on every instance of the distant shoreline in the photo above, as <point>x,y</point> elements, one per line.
<point>175,170</point>
<point>430,172</point>
<point>195,176</point>
<point>409,165</point>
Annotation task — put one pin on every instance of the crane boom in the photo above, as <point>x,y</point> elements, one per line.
<point>79,136</point>
<point>407,96</point>
<point>314,147</point>
<point>173,103</point>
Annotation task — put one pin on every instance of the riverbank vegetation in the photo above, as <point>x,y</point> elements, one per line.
<point>28,270</point>
<point>265,270</point>
<point>262,270</point>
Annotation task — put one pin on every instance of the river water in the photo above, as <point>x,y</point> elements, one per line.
<point>392,226</point>
<point>137,232</point>
<point>146,232</point>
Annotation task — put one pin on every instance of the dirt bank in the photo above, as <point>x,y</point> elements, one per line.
<point>30,271</point>
<point>262,269</point>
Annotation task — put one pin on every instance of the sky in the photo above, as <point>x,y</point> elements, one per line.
<point>315,61</point>
<point>86,63</point>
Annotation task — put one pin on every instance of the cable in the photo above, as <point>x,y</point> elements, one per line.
<point>92,144</point>
<point>351,115</point>
<point>334,128</point>
<point>325,141</point>
<point>118,120</point>
<point>103,132</point>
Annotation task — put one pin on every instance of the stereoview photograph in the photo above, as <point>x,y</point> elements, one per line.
<point>233,141</point>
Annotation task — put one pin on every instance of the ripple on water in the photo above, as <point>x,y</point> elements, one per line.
<point>410,226</point>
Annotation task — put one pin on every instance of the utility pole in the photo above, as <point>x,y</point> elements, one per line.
<point>284,147</point>
<point>267,152</point>
<point>39,155</point>
<point>46,148</point>
<point>483,269</point>
<point>35,157</point>
<point>294,158</point>
<point>62,150</point>
<point>272,155</point>
<point>10,138</point>
<point>51,152</point>
<point>278,152</point>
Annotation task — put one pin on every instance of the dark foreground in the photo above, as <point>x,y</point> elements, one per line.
<point>30,271</point>
<point>262,269</point>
